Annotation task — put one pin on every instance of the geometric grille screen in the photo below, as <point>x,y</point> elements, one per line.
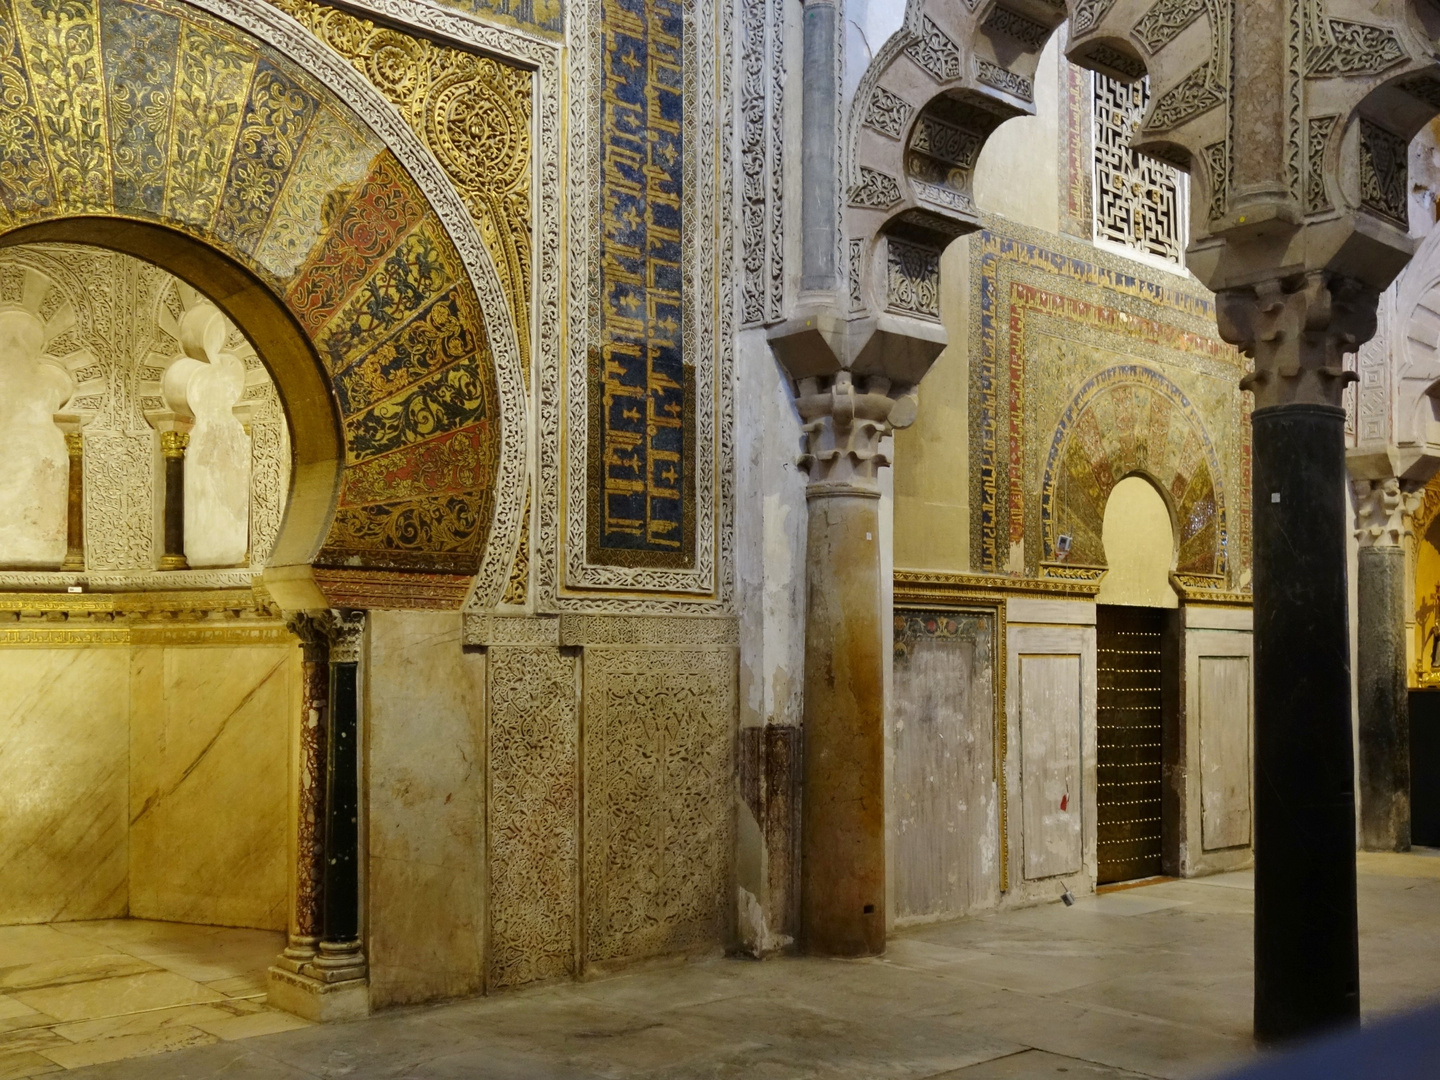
<point>1138,201</point>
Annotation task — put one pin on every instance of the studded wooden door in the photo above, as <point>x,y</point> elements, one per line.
<point>1128,745</point>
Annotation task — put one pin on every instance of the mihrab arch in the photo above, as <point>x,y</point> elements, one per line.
<point>160,130</point>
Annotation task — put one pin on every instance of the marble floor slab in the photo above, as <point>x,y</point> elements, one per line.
<point>78,994</point>
<point>1147,984</point>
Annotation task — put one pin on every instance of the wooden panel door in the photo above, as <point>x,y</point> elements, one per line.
<point>1128,735</point>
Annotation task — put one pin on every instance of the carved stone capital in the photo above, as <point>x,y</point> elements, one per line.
<point>345,637</point>
<point>173,443</point>
<point>1385,511</point>
<point>313,628</point>
<point>844,424</point>
<point>1297,330</point>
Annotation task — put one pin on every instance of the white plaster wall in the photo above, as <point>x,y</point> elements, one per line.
<point>931,477</point>
<point>770,528</point>
<point>1018,173</point>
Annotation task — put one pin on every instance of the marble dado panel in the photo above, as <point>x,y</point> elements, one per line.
<point>371,254</point>
<point>426,809</point>
<point>149,781</point>
<point>64,783</point>
<point>209,784</point>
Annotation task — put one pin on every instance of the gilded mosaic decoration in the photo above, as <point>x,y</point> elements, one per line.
<point>542,16</point>
<point>157,112</point>
<point>1083,373</point>
<point>1130,419</point>
<point>473,114</point>
<point>642,399</point>
<point>642,473</point>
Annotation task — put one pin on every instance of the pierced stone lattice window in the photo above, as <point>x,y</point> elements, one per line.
<point>1139,201</point>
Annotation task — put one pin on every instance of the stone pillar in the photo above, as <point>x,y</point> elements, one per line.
<point>172,449</point>
<point>322,974</point>
<point>313,629</point>
<point>1306,940</point>
<point>75,516</point>
<point>842,871</point>
<point>1383,510</point>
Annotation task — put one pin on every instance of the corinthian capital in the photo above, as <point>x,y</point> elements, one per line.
<point>844,425</point>
<point>1385,511</point>
<point>1298,329</point>
<point>345,637</point>
<point>313,628</point>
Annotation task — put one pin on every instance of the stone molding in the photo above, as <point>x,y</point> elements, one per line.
<point>580,630</point>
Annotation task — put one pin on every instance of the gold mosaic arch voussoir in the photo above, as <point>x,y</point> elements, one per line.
<point>220,158</point>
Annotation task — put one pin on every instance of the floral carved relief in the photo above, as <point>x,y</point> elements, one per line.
<point>659,761</point>
<point>533,814</point>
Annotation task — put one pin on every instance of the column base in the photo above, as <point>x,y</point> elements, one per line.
<point>173,562</point>
<point>299,952</point>
<point>315,999</point>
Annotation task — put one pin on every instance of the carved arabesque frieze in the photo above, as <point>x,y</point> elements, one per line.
<point>760,116</point>
<point>659,800</point>
<point>533,813</point>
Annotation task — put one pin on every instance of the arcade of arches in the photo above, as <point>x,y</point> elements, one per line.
<point>498,493</point>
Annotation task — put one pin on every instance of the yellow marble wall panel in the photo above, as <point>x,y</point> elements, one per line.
<point>209,778</point>
<point>62,784</point>
<point>423,723</point>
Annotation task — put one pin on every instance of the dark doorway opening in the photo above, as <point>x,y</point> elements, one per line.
<point>1130,726</point>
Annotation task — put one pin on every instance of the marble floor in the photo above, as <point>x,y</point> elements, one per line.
<point>74,994</point>
<point>1145,983</point>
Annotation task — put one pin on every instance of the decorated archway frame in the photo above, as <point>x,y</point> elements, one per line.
<point>1106,383</point>
<point>285,34</point>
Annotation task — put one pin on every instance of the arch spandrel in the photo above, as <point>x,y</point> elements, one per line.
<point>156,128</point>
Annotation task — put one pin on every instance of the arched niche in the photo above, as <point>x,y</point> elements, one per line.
<point>1130,420</point>
<point>216,156</point>
<point>1138,536</point>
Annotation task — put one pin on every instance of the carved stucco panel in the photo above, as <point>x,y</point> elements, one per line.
<point>659,802</point>
<point>533,814</point>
